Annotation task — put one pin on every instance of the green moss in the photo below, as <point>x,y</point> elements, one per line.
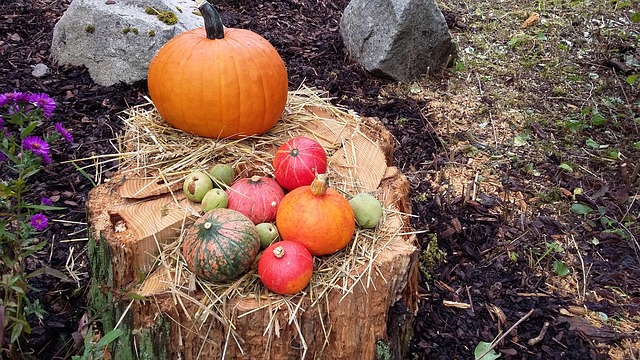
<point>90,29</point>
<point>134,30</point>
<point>383,351</point>
<point>168,17</point>
<point>179,9</point>
<point>153,341</point>
<point>551,196</point>
<point>126,29</point>
<point>431,256</point>
<point>152,33</point>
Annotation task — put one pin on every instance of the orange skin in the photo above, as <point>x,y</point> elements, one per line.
<point>231,87</point>
<point>323,223</point>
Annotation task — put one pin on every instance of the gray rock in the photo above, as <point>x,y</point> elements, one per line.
<point>40,70</point>
<point>398,39</point>
<point>116,39</point>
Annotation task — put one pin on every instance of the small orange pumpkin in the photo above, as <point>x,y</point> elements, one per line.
<point>317,217</point>
<point>218,83</point>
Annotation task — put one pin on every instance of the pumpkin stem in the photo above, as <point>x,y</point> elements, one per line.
<point>278,252</point>
<point>212,21</point>
<point>320,184</point>
<point>207,225</point>
<point>255,179</point>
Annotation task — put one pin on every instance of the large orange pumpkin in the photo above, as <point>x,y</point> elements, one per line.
<point>218,82</point>
<point>317,217</point>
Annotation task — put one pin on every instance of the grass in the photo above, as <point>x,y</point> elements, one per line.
<point>556,103</point>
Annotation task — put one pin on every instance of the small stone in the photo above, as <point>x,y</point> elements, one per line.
<point>15,37</point>
<point>40,70</point>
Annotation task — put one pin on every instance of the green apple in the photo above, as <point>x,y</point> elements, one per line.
<point>214,199</point>
<point>196,185</point>
<point>222,175</point>
<point>268,234</point>
<point>367,210</point>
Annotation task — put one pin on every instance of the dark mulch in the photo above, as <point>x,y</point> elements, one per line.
<point>306,34</point>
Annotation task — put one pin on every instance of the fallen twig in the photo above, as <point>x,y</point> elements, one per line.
<point>495,343</point>
<point>540,336</point>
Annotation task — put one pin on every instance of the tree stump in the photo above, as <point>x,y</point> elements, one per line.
<point>132,219</point>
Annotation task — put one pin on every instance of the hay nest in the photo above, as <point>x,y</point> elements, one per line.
<point>151,149</point>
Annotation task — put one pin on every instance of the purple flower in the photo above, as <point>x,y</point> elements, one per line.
<point>38,147</point>
<point>65,134</point>
<point>46,201</point>
<point>17,97</point>
<point>4,99</point>
<point>3,157</point>
<point>39,222</point>
<point>44,102</point>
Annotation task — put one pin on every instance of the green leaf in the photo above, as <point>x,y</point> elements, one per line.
<point>520,140</point>
<point>481,348</point>
<point>43,207</point>
<point>592,144</point>
<point>574,125</point>
<point>621,232</point>
<point>560,269</point>
<point>631,79</point>
<point>566,167</point>
<point>613,154</point>
<point>136,296</point>
<point>637,145</point>
<point>607,222</point>
<point>109,337</point>
<point>84,173</point>
<point>49,271</point>
<point>597,119</point>
<point>28,130</point>
<point>581,209</point>
<point>555,246</point>
<point>16,331</point>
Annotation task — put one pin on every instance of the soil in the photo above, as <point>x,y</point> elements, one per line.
<point>499,290</point>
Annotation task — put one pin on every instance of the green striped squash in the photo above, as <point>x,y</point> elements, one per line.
<point>220,245</point>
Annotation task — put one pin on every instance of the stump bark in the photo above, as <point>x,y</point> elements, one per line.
<point>131,218</point>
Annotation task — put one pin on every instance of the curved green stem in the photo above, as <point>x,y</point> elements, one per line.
<point>212,21</point>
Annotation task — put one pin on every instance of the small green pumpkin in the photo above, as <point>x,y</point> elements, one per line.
<point>221,245</point>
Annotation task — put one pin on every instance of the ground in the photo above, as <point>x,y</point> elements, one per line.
<point>523,159</point>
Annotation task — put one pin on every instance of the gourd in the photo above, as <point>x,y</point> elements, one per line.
<point>218,82</point>
<point>221,245</point>
<point>297,162</point>
<point>317,217</point>
<point>257,197</point>
<point>285,267</point>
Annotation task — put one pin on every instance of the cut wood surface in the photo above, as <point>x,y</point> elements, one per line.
<point>132,218</point>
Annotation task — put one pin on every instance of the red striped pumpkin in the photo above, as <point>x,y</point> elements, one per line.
<point>297,162</point>
<point>256,197</point>
<point>221,245</point>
